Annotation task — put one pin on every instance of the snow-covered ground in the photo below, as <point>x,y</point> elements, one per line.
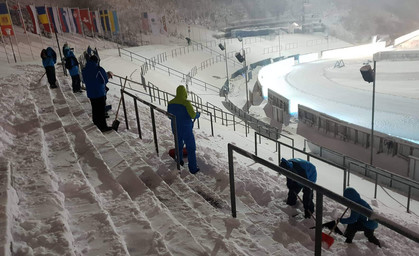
<point>67,189</point>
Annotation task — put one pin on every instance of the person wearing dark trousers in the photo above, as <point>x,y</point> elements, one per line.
<point>96,78</point>
<point>72,65</point>
<point>49,58</point>
<point>185,114</point>
<point>357,222</point>
<point>306,170</point>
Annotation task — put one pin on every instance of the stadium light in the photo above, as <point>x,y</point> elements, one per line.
<point>241,57</point>
<point>224,48</point>
<point>368,74</point>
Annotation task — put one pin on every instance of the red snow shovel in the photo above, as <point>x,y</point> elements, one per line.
<point>327,238</point>
<point>116,123</point>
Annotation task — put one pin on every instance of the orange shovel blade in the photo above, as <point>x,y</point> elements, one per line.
<point>327,239</point>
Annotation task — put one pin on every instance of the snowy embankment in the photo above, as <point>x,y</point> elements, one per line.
<point>76,191</point>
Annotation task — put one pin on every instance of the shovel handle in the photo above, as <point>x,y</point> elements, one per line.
<point>120,100</point>
<point>337,222</point>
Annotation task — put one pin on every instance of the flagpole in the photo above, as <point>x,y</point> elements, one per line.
<point>49,24</point>
<point>81,24</point>
<point>119,28</point>
<point>24,29</point>
<point>4,45</point>
<point>91,22</point>
<point>14,34</point>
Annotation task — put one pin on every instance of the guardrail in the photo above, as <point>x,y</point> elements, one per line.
<point>227,119</point>
<point>320,192</point>
<point>153,122</point>
<point>378,172</point>
<point>155,65</point>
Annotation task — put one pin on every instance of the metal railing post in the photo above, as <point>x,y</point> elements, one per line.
<point>256,144</point>
<point>175,135</point>
<point>408,199</point>
<point>344,179</point>
<point>376,183</point>
<point>125,110</point>
<point>212,125</point>
<point>319,220</point>
<point>153,122</point>
<point>232,188</point>
<point>138,118</point>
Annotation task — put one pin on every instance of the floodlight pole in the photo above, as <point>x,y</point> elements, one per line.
<point>372,115</point>
<point>245,77</point>
<point>279,42</point>
<point>228,81</point>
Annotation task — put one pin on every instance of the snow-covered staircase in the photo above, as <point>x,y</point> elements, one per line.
<point>185,196</point>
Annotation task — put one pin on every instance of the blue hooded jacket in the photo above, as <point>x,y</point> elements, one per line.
<point>182,109</point>
<point>74,70</point>
<point>353,195</point>
<point>51,58</point>
<point>95,78</point>
<point>295,163</point>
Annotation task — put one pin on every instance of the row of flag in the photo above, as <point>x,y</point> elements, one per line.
<point>57,19</point>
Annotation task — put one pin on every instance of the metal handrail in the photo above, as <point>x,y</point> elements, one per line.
<point>378,171</point>
<point>320,192</point>
<point>152,109</point>
<point>276,143</point>
<point>197,104</point>
<point>168,69</point>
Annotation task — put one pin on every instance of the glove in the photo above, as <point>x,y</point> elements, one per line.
<point>197,115</point>
<point>110,74</point>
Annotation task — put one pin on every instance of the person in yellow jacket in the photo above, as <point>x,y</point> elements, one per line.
<point>185,117</point>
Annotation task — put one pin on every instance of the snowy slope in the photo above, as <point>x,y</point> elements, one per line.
<point>71,190</point>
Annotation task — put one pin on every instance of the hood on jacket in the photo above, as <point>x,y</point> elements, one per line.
<point>181,92</point>
<point>50,51</point>
<point>286,164</point>
<point>70,54</point>
<point>352,194</point>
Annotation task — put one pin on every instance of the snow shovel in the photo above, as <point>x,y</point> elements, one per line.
<point>41,77</point>
<point>328,239</point>
<point>116,123</point>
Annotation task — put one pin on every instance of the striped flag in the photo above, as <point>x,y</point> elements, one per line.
<point>56,19</point>
<point>98,24</point>
<point>5,20</point>
<point>35,24</point>
<point>76,18</point>
<point>113,20</point>
<point>43,17</point>
<point>51,19</point>
<point>69,17</point>
<point>63,20</point>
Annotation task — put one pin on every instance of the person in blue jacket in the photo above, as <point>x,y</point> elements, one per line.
<point>185,117</point>
<point>357,222</point>
<point>49,58</point>
<point>72,64</point>
<point>306,170</point>
<point>96,78</point>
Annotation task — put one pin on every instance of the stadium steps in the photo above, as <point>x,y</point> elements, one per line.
<point>129,221</point>
<point>158,215</point>
<point>6,202</point>
<point>36,206</point>
<point>179,206</point>
<point>197,189</point>
<point>82,176</point>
